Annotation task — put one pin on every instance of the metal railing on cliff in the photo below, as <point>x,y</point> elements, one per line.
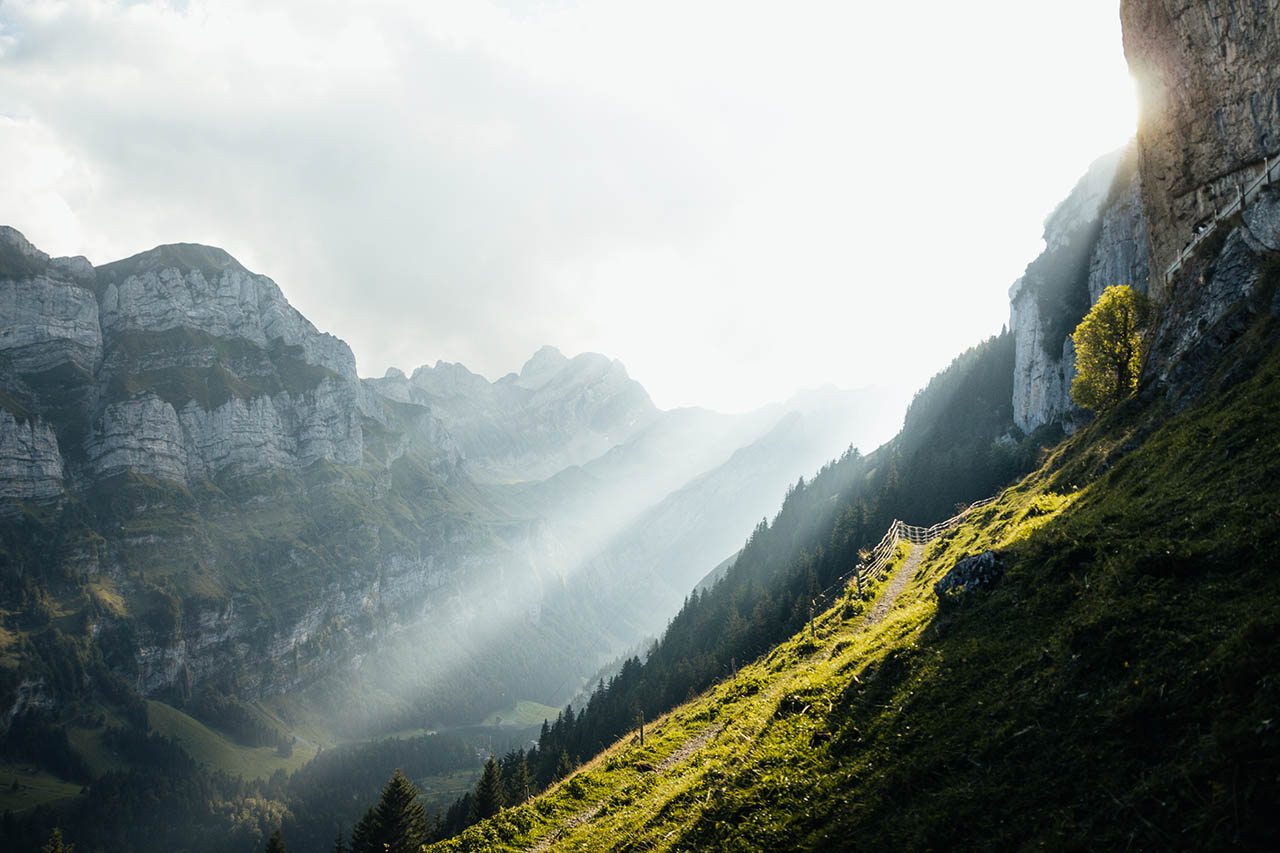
<point>1244,195</point>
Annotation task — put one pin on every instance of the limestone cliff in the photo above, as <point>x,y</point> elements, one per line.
<point>30,464</point>
<point>1094,239</point>
<point>49,308</point>
<point>1208,75</point>
<point>222,496</point>
<point>1209,123</point>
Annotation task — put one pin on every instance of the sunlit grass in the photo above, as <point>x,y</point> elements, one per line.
<point>525,713</point>
<point>1129,649</point>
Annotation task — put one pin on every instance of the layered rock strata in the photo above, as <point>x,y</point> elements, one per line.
<point>1208,74</point>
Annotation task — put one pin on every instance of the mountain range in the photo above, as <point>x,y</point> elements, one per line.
<point>223,550</point>
<point>236,511</point>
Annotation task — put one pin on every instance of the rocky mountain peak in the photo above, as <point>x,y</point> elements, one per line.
<point>450,379</point>
<point>538,370</point>
<point>557,412</point>
<point>210,261</point>
<point>18,258</point>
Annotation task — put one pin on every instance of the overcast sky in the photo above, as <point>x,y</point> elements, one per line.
<point>736,199</point>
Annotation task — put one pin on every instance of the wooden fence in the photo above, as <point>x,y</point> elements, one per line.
<point>883,552</point>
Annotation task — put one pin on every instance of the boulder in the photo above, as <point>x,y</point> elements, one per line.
<point>970,573</point>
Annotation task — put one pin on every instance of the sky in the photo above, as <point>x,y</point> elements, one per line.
<point>736,199</point>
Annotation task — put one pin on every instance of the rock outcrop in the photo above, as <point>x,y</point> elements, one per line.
<point>49,309</point>
<point>187,365</point>
<point>1208,75</point>
<point>970,573</point>
<point>200,287</point>
<point>1215,304</point>
<point>30,463</point>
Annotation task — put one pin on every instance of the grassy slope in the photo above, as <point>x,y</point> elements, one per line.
<point>34,787</point>
<point>525,713</point>
<point>209,747</point>
<point>1118,687</point>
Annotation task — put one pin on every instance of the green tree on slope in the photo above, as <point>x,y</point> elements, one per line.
<point>1109,348</point>
<point>488,799</point>
<point>55,844</point>
<point>274,844</point>
<point>398,824</point>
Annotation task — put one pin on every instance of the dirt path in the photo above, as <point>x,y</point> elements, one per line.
<point>897,584</point>
<point>569,825</point>
<point>690,746</point>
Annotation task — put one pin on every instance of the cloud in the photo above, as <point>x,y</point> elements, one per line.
<point>728,196</point>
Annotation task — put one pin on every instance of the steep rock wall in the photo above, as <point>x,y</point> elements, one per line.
<point>30,463</point>
<point>199,287</point>
<point>1208,75</point>
<point>49,309</point>
<point>1096,238</point>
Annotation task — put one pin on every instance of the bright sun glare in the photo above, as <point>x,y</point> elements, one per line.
<point>735,201</point>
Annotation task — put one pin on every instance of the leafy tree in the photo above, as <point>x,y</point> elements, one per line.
<point>55,844</point>
<point>1109,348</point>
<point>398,824</point>
<point>488,800</point>
<point>274,844</point>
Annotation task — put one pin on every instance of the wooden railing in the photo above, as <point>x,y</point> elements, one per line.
<point>873,567</point>
<point>1244,195</point>
<point>899,530</point>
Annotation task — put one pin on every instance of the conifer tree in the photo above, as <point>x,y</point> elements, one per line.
<point>55,844</point>
<point>362,834</point>
<point>340,843</point>
<point>563,765</point>
<point>488,800</point>
<point>397,824</point>
<point>519,783</point>
<point>274,844</point>
<point>402,820</point>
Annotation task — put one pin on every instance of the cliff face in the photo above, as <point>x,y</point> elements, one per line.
<point>1209,100</point>
<point>49,309</point>
<point>1094,239</point>
<point>223,495</point>
<point>1208,75</point>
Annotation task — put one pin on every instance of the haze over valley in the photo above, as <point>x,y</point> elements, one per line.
<point>980,498</point>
